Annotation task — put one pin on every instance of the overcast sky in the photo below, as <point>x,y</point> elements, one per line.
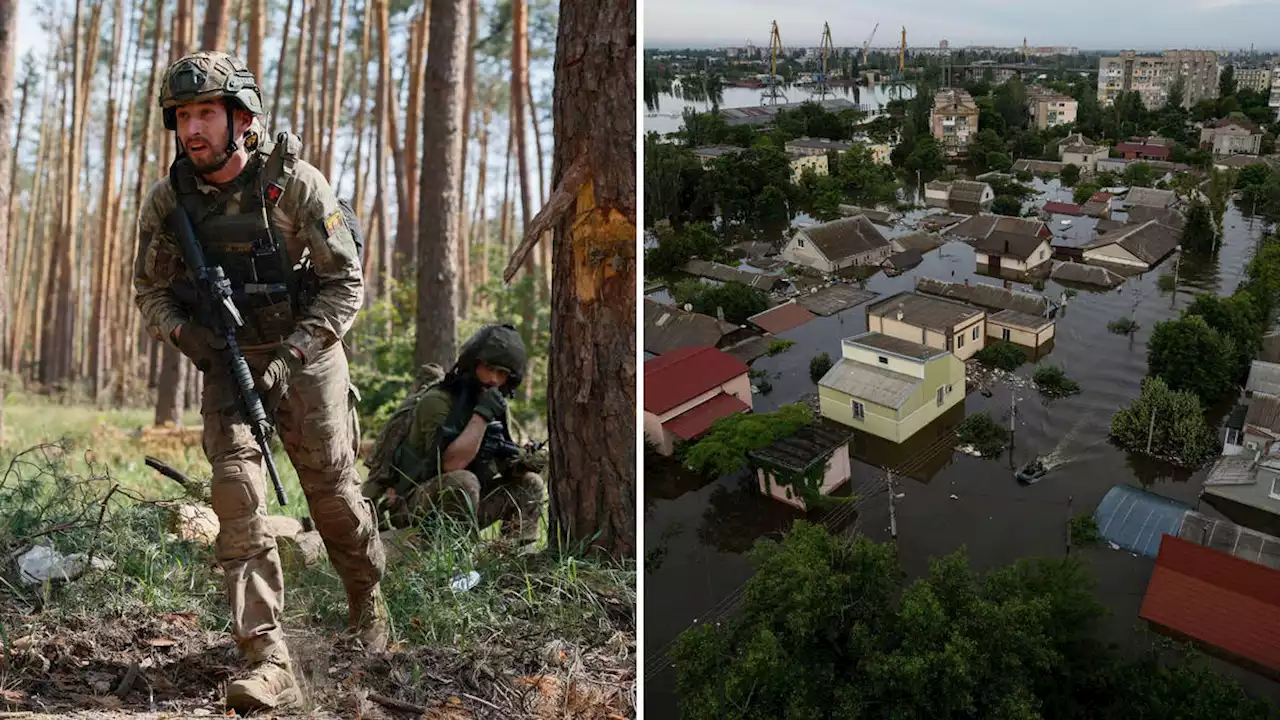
<point>1087,24</point>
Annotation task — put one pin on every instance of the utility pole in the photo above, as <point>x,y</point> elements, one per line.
<point>893,517</point>
<point>1177,264</point>
<point>1069,518</point>
<point>1013,413</point>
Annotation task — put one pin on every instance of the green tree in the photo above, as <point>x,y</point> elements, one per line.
<point>1198,233</point>
<point>1179,431</point>
<point>927,156</point>
<point>1070,174</point>
<point>672,184</point>
<point>1139,175</point>
<point>738,301</point>
<point>1177,93</point>
<point>675,249</point>
<point>828,628</point>
<point>998,161</point>
<point>723,450</point>
<point>1006,205</point>
<point>819,365</point>
<point>1190,355</point>
<point>1227,81</point>
<point>1083,192</point>
<point>1237,318</point>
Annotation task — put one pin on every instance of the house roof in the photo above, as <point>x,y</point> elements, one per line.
<point>784,317</point>
<point>1062,208</point>
<point>986,296</point>
<point>1081,149</point>
<point>1270,351</point>
<point>1165,216</point>
<point>953,100</point>
<point>724,273</point>
<point>1217,599</point>
<point>983,224</point>
<point>1264,377</point>
<point>668,328</point>
<point>1106,225</point>
<point>820,143</point>
<point>1007,244</point>
<point>1232,470</point>
<point>800,450</point>
<point>1249,125</point>
<point>680,376</point>
<point>716,150</point>
<point>1013,318</point>
<point>695,421</point>
<point>924,311</point>
<point>905,259</point>
<point>968,191</point>
<point>1150,242</point>
<point>1136,519</point>
<point>1240,160</point>
<point>1037,166</point>
<point>920,242</point>
<point>1158,151</point>
<point>938,185</point>
<point>1264,414</point>
<point>1088,274</point>
<point>896,346</point>
<point>1150,197</point>
<point>870,383</point>
<point>1075,139</point>
<point>1100,197</point>
<point>1232,539</point>
<point>845,237</point>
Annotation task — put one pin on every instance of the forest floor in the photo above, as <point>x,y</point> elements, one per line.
<point>144,632</point>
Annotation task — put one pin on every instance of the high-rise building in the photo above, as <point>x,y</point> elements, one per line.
<point>954,120</point>
<point>1253,78</point>
<point>1275,86</point>
<point>1153,76</point>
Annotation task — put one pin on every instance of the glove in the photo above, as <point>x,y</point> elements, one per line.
<point>491,405</point>
<point>199,344</point>
<point>274,382</point>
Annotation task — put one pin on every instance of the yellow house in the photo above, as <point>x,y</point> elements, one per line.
<point>889,387</point>
<point>801,161</point>
<point>1020,328</point>
<point>937,323</point>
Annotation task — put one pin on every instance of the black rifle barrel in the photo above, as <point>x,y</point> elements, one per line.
<point>214,292</point>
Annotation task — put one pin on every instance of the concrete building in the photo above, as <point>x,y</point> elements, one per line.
<point>954,120</point>
<point>932,321</point>
<point>1017,252</point>
<point>798,454</point>
<point>837,245</point>
<point>817,146</point>
<point>687,390</point>
<point>1031,331</point>
<point>1152,76</point>
<point>1257,79</point>
<point>890,387</point>
<point>1076,149</point>
<point>707,153</point>
<point>1050,108</point>
<point>1231,136</point>
<point>1274,102</point>
<point>962,196</point>
<point>801,161</point>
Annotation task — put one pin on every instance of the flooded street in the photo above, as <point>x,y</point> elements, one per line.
<point>696,533</point>
<point>664,115</point>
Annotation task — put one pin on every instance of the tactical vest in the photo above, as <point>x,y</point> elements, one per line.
<point>267,288</point>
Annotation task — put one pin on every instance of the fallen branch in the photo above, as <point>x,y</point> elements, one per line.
<point>102,511</point>
<point>398,705</point>
<point>130,678</point>
<point>550,214</point>
<point>172,473</point>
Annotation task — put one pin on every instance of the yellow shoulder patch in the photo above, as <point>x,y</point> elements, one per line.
<point>332,222</point>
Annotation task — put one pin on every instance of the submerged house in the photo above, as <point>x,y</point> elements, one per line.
<point>1141,246</point>
<point>934,322</point>
<point>889,387</point>
<point>1012,251</point>
<point>837,245</point>
<point>687,390</point>
<point>990,297</point>
<point>799,454</point>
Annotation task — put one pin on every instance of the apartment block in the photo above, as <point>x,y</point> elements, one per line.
<point>1275,87</point>
<point>1152,76</point>
<point>1257,79</point>
<point>1049,108</point>
<point>954,120</point>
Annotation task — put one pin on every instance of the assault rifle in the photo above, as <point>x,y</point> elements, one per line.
<point>213,296</point>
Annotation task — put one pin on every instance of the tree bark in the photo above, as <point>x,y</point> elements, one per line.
<point>257,29</point>
<point>320,150</point>
<point>309,118</point>
<point>171,390</point>
<point>385,109</point>
<point>438,197</point>
<point>24,92</point>
<point>26,273</point>
<point>280,70</point>
<point>335,107</point>
<point>8,54</point>
<point>214,36</point>
<point>469,94</point>
<point>362,93</point>
<point>592,393</point>
<point>99,330</point>
<point>482,275</point>
<point>299,71</point>
<point>407,228</point>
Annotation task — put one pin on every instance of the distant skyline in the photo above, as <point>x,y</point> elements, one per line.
<point>1085,24</point>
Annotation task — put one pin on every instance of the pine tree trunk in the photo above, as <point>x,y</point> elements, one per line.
<point>299,71</point>
<point>384,111</point>
<point>214,36</point>
<point>592,393</point>
<point>335,106</point>
<point>482,274</point>
<point>170,386</point>
<point>362,93</point>
<point>100,330</point>
<point>8,55</point>
<point>407,229</point>
<point>320,150</point>
<point>285,32</point>
<point>26,273</point>
<point>120,305</point>
<point>438,199</point>
<point>309,118</point>
<point>464,234</point>
<point>6,256</point>
<point>257,29</point>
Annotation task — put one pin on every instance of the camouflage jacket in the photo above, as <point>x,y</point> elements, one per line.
<point>302,216</point>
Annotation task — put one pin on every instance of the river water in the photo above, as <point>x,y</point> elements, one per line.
<point>664,116</point>
<point>696,532</point>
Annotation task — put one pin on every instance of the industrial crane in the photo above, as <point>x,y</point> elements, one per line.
<point>902,53</point>
<point>867,45</point>
<point>821,89</point>
<point>772,91</point>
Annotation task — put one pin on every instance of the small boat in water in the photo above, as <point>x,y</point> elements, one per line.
<point>1032,472</point>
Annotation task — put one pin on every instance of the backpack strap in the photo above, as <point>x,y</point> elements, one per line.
<point>278,170</point>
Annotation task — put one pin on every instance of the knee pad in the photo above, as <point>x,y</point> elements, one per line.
<point>342,517</point>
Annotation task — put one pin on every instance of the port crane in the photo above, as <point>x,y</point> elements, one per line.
<point>821,89</point>
<point>867,45</point>
<point>772,91</point>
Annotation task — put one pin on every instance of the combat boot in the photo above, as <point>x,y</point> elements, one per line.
<point>367,619</point>
<point>267,685</point>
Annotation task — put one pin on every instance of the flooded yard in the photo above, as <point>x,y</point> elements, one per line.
<point>696,533</point>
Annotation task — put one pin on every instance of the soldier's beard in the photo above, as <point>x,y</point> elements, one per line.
<point>215,163</point>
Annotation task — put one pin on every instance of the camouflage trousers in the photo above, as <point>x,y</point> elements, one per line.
<point>317,425</point>
<point>516,501</point>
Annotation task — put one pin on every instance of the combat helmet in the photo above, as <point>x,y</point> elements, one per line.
<point>498,346</point>
<point>209,75</point>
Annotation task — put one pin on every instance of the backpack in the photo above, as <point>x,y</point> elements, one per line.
<point>381,457</point>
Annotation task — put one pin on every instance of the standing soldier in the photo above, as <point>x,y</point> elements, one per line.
<point>274,225</point>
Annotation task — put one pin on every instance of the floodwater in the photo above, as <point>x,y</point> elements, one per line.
<point>696,532</point>
<point>665,116</point>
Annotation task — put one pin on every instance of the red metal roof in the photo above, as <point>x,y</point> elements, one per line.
<point>1100,197</point>
<point>1061,208</point>
<point>682,375</point>
<point>1156,151</point>
<point>697,420</point>
<point>1218,599</point>
<point>782,318</point>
